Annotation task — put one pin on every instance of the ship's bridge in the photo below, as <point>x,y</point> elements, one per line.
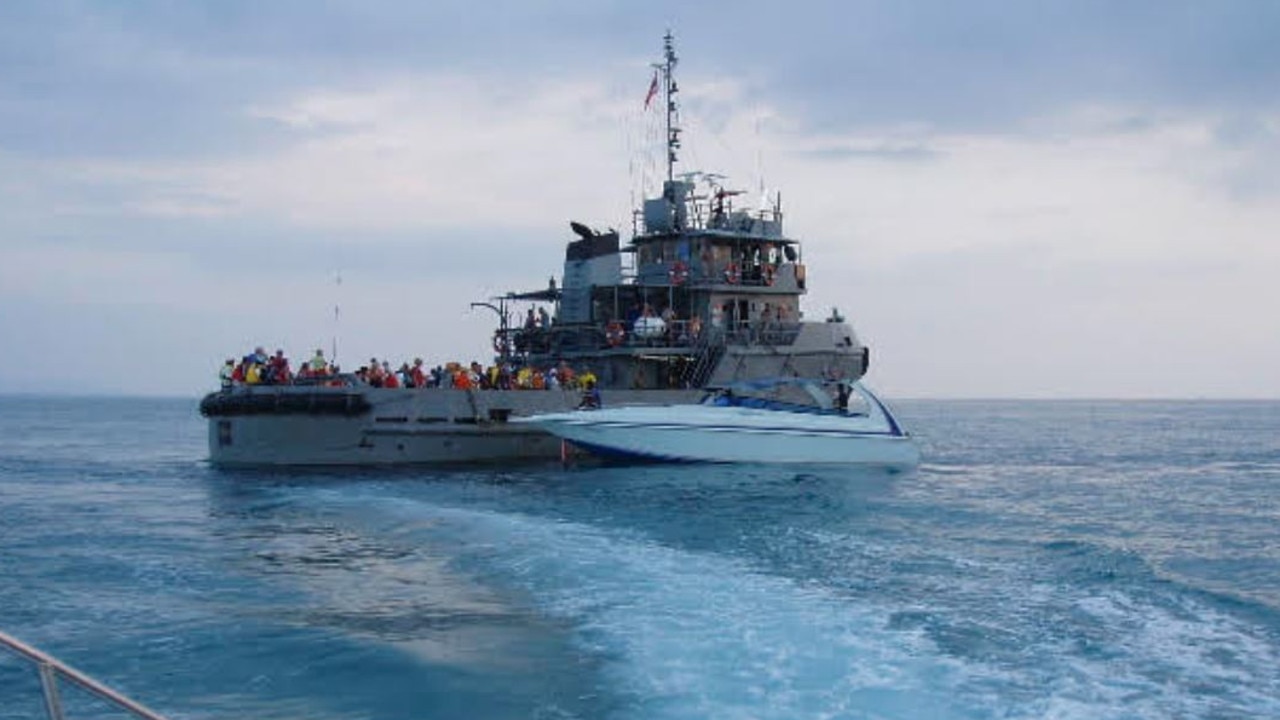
<point>700,238</point>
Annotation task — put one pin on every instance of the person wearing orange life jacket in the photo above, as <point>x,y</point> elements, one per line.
<point>389,379</point>
<point>565,375</point>
<point>284,374</point>
<point>614,333</point>
<point>277,370</point>
<point>462,379</point>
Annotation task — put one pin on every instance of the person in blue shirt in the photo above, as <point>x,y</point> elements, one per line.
<point>590,397</point>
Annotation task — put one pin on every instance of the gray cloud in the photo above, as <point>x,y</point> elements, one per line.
<point>993,64</point>
<point>174,78</point>
<point>902,153</point>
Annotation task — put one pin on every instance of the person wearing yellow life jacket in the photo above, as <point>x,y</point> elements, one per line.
<point>253,375</point>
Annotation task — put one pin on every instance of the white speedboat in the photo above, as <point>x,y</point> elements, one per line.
<point>788,420</point>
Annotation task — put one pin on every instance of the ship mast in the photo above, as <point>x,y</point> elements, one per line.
<point>670,89</point>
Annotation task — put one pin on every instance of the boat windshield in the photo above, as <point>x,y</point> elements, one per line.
<point>790,395</point>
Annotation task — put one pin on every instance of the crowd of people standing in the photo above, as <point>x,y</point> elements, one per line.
<point>259,368</point>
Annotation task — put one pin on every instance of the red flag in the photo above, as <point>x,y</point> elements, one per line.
<point>653,90</point>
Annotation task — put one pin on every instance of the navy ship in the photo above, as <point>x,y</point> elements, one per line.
<point>705,293</point>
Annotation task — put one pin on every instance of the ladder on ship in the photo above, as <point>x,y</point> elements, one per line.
<point>706,357</point>
<point>50,669</point>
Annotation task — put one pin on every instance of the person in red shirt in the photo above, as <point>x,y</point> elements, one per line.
<point>418,375</point>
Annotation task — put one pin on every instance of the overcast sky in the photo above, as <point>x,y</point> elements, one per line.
<point>1006,198</point>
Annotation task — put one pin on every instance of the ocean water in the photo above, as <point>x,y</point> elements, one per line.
<point>1049,560</point>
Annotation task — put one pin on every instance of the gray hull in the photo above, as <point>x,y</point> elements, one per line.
<point>427,426</point>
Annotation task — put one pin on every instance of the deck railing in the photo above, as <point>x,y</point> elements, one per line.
<point>50,669</point>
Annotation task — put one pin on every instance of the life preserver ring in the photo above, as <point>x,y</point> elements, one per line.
<point>615,334</point>
<point>732,274</point>
<point>766,273</point>
<point>679,273</point>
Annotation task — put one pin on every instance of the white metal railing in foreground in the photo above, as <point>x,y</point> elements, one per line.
<point>50,668</point>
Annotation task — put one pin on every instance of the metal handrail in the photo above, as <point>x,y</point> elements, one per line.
<point>50,668</point>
